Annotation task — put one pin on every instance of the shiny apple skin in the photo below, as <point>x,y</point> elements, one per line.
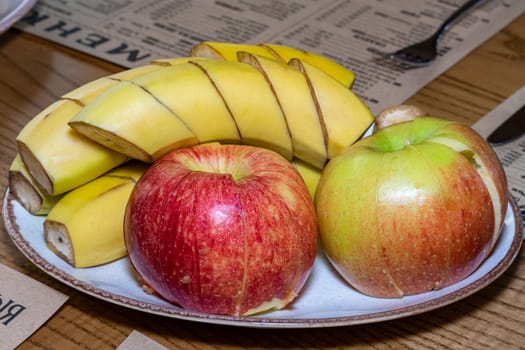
<point>222,229</point>
<point>405,211</point>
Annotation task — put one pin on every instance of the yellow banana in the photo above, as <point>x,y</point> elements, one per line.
<point>309,173</point>
<point>85,228</point>
<point>185,104</point>
<point>190,106</point>
<point>144,119</point>
<point>185,90</point>
<point>228,51</point>
<point>130,120</point>
<point>335,70</point>
<point>174,61</point>
<point>252,103</point>
<point>294,96</point>
<point>294,108</point>
<point>87,92</point>
<point>26,191</point>
<point>58,158</point>
<point>343,115</point>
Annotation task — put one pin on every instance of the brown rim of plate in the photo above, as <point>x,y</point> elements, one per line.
<point>260,321</point>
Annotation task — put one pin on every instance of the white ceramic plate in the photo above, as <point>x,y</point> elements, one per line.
<point>325,301</point>
<point>12,10</point>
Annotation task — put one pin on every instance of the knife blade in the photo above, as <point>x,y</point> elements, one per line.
<point>510,129</point>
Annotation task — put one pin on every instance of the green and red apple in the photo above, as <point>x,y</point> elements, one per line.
<point>415,207</point>
<point>222,229</point>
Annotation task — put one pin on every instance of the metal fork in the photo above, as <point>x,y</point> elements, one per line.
<point>425,52</point>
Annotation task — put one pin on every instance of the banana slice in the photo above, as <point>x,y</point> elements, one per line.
<point>280,53</point>
<point>85,228</point>
<point>299,109</point>
<point>58,158</point>
<point>130,120</point>
<point>252,103</point>
<point>343,115</point>
<point>185,90</point>
<point>26,191</point>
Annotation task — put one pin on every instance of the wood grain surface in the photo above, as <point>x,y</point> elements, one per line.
<point>35,72</point>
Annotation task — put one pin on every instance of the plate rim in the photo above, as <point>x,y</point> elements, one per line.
<point>17,13</point>
<point>177,312</point>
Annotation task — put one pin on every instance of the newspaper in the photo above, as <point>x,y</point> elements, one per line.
<point>511,153</point>
<point>133,32</point>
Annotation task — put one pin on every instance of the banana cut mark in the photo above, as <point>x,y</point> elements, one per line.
<point>186,91</point>
<point>344,117</point>
<point>228,51</point>
<point>280,53</point>
<point>252,104</point>
<point>330,67</point>
<point>295,100</point>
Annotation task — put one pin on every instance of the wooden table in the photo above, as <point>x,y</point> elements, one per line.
<point>35,72</point>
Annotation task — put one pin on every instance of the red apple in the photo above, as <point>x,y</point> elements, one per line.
<point>415,207</point>
<point>222,229</point>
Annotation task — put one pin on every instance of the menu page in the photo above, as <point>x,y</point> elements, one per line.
<point>512,156</point>
<point>511,153</point>
<point>132,32</point>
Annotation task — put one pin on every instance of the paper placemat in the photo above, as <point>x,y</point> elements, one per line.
<point>133,32</point>
<point>138,341</point>
<point>25,304</point>
<point>511,154</point>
